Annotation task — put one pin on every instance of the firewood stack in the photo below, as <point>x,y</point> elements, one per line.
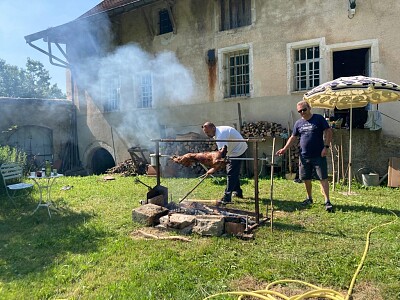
<point>128,168</point>
<point>262,129</point>
<point>294,157</point>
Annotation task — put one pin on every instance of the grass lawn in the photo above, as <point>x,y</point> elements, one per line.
<point>87,250</point>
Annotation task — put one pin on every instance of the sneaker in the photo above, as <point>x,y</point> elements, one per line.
<point>226,199</point>
<point>328,207</point>
<point>237,195</point>
<point>297,180</point>
<point>222,202</point>
<point>306,202</point>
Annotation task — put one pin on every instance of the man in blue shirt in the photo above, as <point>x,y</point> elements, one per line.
<point>315,137</point>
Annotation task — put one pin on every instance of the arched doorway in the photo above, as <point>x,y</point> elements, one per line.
<point>102,160</point>
<point>35,141</point>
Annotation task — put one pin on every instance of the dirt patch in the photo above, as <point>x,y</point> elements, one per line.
<point>152,233</point>
<point>366,291</point>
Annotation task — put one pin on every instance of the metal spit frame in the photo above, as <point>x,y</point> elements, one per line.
<point>255,166</point>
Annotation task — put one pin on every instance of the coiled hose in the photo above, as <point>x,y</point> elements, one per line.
<point>316,291</point>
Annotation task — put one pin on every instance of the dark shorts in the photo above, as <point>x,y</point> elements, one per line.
<point>310,166</point>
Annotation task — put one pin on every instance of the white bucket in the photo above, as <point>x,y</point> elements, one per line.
<point>371,179</point>
<point>153,159</point>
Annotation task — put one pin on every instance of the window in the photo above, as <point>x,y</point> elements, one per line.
<point>111,94</point>
<point>145,91</point>
<point>165,21</point>
<point>237,73</point>
<point>235,13</point>
<point>306,68</point>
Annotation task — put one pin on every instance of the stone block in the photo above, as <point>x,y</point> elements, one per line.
<point>149,214</point>
<point>209,225</point>
<point>177,221</point>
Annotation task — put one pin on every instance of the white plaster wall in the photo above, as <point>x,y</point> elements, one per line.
<point>275,25</point>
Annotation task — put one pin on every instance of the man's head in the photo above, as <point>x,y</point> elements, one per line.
<point>304,109</point>
<point>209,129</point>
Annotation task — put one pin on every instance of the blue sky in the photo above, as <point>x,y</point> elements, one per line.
<point>19,18</point>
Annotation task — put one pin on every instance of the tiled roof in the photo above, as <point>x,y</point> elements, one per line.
<point>109,5</point>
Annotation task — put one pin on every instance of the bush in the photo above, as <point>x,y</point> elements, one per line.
<point>11,154</point>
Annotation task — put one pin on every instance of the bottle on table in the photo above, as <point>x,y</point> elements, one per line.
<point>47,168</point>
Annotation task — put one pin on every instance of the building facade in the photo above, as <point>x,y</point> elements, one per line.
<point>141,70</point>
<point>38,127</point>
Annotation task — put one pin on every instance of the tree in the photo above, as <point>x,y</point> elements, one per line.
<point>32,82</point>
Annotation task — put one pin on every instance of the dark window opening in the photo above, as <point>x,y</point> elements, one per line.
<point>102,161</point>
<point>235,13</point>
<point>352,63</point>
<point>165,22</point>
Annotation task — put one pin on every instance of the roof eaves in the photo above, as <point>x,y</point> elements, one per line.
<point>113,8</point>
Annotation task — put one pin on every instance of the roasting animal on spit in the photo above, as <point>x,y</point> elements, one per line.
<point>214,159</point>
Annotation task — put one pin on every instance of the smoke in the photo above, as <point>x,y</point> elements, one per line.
<point>132,83</point>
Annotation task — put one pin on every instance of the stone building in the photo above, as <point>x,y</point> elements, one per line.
<point>141,70</point>
<point>41,128</point>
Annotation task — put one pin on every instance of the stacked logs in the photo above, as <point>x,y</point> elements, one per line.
<point>128,168</point>
<point>294,157</point>
<point>262,129</point>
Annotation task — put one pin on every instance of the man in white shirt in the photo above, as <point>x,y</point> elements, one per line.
<point>236,149</point>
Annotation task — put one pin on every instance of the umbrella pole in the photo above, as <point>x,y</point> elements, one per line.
<point>351,126</point>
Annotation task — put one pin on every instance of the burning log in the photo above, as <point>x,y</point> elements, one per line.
<point>212,159</point>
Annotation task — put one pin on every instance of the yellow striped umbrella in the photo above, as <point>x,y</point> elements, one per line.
<point>352,92</point>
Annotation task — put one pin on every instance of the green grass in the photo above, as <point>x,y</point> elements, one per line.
<point>86,251</point>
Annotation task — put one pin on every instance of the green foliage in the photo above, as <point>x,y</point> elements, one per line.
<point>11,154</point>
<point>90,248</point>
<point>32,82</point>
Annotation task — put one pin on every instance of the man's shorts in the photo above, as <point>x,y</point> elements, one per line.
<point>313,166</point>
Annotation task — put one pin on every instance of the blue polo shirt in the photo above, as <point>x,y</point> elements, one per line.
<point>311,133</point>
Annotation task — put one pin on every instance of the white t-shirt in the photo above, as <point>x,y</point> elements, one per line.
<point>235,149</point>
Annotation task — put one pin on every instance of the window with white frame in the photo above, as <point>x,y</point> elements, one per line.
<point>306,68</point>
<point>145,90</point>
<point>111,87</point>
<point>236,73</point>
<point>235,13</point>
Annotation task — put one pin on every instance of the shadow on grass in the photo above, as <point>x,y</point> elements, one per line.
<point>292,206</point>
<point>221,180</point>
<point>32,242</point>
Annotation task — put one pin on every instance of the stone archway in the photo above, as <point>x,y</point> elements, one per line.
<point>101,161</point>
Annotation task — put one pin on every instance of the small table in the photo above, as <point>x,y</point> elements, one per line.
<point>45,183</point>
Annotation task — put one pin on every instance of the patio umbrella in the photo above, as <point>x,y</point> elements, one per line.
<point>352,92</point>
